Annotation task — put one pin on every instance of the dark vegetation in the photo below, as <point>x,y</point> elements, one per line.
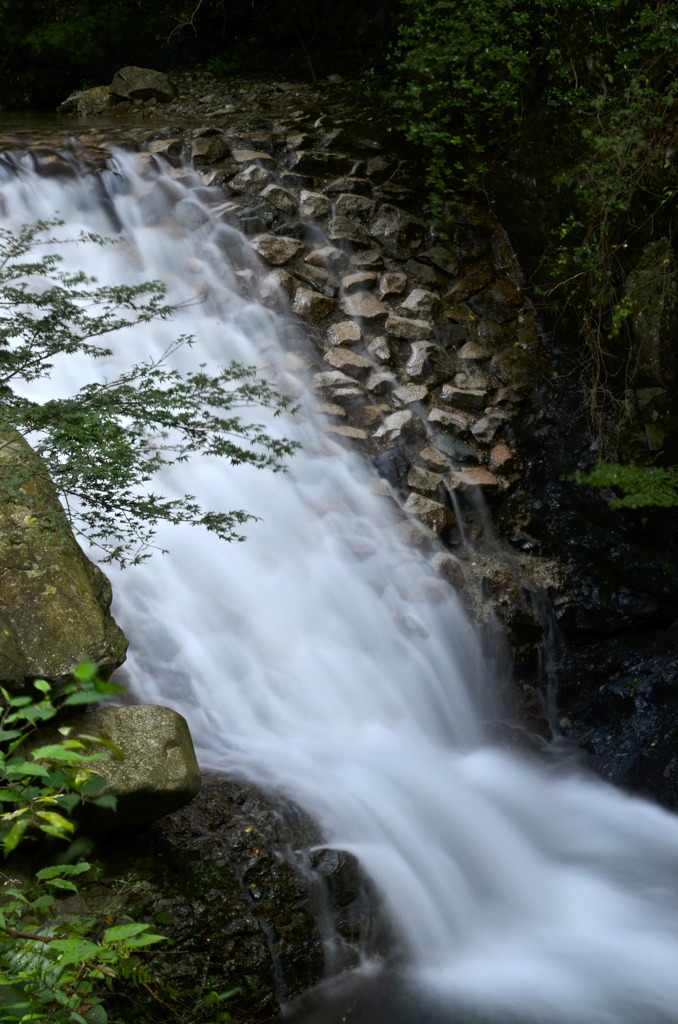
<point>50,47</point>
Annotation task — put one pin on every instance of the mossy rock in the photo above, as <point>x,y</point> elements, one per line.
<point>54,603</point>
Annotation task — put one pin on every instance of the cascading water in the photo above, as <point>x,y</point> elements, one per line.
<point>324,660</point>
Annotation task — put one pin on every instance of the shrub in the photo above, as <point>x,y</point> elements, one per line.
<point>56,965</point>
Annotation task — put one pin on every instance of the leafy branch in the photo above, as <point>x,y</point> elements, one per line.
<point>103,446</point>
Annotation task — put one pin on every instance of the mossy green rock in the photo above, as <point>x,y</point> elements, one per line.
<point>54,603</point>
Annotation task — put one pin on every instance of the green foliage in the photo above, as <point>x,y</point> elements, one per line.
<point>105,444</point>
<point>579,96</point>
<point>56,965</point>
<point>640,485</point>
<point>213,1001</point>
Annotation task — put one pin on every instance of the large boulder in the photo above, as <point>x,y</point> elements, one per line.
<point>54,603</point>
<point>134,83</point>
<point>158,773</point>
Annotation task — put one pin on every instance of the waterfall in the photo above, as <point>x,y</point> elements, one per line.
<point>323,659</point>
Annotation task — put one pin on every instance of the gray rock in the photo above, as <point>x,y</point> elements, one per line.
<point>280,198</point>
<point>461,421</point>
<point>344,229</point>
<point>404,327</point>
<point>253,156</point>
<point>408,393</point>
<point>449,567</point>
<point>474,350</point>
<point>392,284</point>
<point>433,514</point>
<point>361,281</point>
<point>418,365</point>
<point>276,249</point>
<point>252,180</point>
<point>337,385</point>
<point>87,102</point>
<point>487,427</point>
<point>423,481</point>
<point>398,423</point>
<point>314,204</point>
<point>312,305</point>
<point>380,383</point>
<point>159,772</point>
<point>133,83</point>
<point>346,359</point>
<point>208,149</point>
<point>464,398</point>
<point>379,350</point>
<point>347,332</point>
<point>421,303</point>
<point>329,257</point>
<point>395,231</point>
<point>166,147</point>
<point>191,215</point>
<point>476,476</point>
<point>354,433</point>
<point>351,205</point>
<point>363,305</point>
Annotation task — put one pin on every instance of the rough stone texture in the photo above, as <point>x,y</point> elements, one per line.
<point>408,393</point>
<point>314,204</point>
<point>280,198</point>
<point>358,282</point>
<point>276,249</point>
<point>364,306</point>
<point>423,481</point>
<point>252,180</point>
<point>86,102</point>
<point>434,515</point>
<point>463,398</point>
<point>347,359</point>
<point>462,479</point>
<point>134,83</point>
<point>412,330</point>
<point>396,424</point>
<point>218,878</point>
<point>208,149</point>
<point>345,229</point>
<point>421,303</point>
<point>55,602</point>
<point>311,305</point>
<point>392,284</point>
<point>347,332</point>
<point>327,256</point>
<point>158,774</point>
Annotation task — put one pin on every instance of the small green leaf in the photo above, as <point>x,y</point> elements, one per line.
<point>56,820</point>
<point>15,836</point>
<point>56,870</point>
<point>86,672</point>
<point>109,802</point>
<point>124,931</point>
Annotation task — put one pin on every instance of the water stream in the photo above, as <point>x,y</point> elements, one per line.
<point>323,659</point>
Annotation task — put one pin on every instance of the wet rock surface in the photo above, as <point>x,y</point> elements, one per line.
<point>231,880</point>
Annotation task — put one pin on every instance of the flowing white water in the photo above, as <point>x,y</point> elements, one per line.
<point>321,658</point>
